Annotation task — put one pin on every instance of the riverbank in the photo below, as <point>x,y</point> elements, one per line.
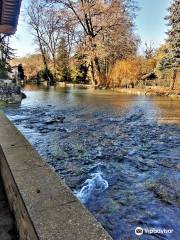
<point>75,85</point>
<point>10,92</point>
<point>150,91</point>
<point>146,91</point>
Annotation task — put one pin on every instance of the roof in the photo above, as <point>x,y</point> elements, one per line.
<point>9,14</point>
<point>149,76</point>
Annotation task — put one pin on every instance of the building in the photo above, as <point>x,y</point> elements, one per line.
<point>9,14</point>
<point>149,79</point>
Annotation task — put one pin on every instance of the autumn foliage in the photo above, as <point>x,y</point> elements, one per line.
<point>32,64</point>
<point>129,71</point>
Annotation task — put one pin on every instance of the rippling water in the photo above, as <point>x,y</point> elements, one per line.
<point>118,153</point>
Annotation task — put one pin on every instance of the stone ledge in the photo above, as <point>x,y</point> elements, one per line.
<point>44,207</point>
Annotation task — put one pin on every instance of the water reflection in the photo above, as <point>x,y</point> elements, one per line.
<point>170,110</point>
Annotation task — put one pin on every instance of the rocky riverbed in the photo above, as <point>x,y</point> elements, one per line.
<point>118,153</point>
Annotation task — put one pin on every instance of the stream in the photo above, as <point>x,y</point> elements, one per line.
<point>120,154</point>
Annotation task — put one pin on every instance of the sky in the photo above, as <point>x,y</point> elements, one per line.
<point>150,23</point>
<point>150,26</point>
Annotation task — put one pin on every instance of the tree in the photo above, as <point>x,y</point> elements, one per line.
<point>80,69</point>
<point>6,54</point>
<point>171,59</point>
<point>162,57</point>
<point>62,66</point>
<point>46,25</point>
<point>149,50</point>
<point>128,72</point>
<point>105,29</point>
<point>174,33</point>
<point>20,72</point>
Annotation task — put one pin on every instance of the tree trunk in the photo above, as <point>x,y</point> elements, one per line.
<point>95,67</point>
<point>93,73</point>
<point>44,60</point>
<point>96,60</point>
<point>54,66</point>
<point>97,71</point>
<point>173,80</point>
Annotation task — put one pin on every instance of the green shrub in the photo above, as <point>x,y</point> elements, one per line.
<point>3,74</point>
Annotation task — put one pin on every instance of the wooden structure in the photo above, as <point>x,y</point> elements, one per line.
<point>149,79</point>
<point>9,14</point>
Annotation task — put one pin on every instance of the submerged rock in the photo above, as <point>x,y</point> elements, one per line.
<point>23,95</point>
<point>165,193</point>
<point>55,120</point>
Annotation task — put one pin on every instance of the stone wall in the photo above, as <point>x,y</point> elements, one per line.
<point>44,207</point>
<point>9,92</point>
<point>25,226</point>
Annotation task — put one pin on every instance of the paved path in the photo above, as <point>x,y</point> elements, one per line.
<point>7,224</point>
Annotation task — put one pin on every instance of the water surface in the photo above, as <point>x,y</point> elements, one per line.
<point>118,153</point>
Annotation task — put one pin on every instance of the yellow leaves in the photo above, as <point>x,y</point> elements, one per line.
<point>126,71</point>
<point>161,52</point>
<point>130,70</point>
<point>149,65</point>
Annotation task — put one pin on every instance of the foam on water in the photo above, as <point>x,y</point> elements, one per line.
<point>93,186</point>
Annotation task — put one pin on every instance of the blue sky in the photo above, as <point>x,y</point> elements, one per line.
<point>150,26</point>
<point>150,22</point>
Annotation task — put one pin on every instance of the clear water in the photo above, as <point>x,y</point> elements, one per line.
<point>120,154</point>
